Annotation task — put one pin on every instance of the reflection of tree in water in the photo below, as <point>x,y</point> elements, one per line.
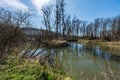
<point>108,73</point>
<point>79,56</point>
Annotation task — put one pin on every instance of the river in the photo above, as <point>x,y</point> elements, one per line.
<point>82,62</point>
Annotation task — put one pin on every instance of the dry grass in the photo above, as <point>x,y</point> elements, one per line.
<point>113,44</point>
<point>83,41</point>
<point>58,41</point>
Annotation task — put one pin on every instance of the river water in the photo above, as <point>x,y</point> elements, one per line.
<point>86,62</point>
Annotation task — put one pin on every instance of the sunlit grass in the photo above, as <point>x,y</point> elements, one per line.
<point>14,69</point>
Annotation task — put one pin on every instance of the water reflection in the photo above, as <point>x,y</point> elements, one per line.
<point>86,60</point>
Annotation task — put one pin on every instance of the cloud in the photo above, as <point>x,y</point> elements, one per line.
<point>39,4</point>
<point>15,4</point>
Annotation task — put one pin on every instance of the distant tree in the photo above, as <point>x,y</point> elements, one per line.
<point>60,18</point>
<point>67,26</point>
<point>83,28</point>
<point>73,26</point>
<point>91,30</point>
<point>114,29</point>
<point>78,22</point>
<point>46,12</point>
<point>62,6</point>
<point>118,32</point>
<point>57,18</point>
<point>104,29</point>
<point>96,27</point>
<point>88,30</point>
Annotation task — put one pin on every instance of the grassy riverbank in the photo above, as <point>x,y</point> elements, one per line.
<point>104,45</point>
<point>14,69</point>
<point>55,43</point>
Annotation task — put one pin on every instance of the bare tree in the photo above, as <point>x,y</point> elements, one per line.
<point>104,29</point>
<point>46,12</point>
<point>83,29</point>
<point>118,32</point>
<point>10,33</point>
<point>96,27</point>
<point>67,27</point>
<point>57,18</point>
<point>62,6</point>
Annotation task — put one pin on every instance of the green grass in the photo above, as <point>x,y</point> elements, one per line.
<point>16,70</point>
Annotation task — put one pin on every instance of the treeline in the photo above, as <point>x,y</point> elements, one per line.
<point>67,27</point>
<point>104,29</point>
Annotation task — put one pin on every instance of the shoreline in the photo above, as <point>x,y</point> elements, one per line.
<point>104,45</point>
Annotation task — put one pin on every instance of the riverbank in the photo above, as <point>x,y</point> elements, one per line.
<point>109,46</point>
<point>29,69</point>
<point>55,43</point>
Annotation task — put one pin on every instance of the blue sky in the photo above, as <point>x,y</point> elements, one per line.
<point>86,10</point>
<point>91,9</point>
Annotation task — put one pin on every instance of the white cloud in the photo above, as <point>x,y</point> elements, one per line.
<point>15,4</point>
<point>39,4</point>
